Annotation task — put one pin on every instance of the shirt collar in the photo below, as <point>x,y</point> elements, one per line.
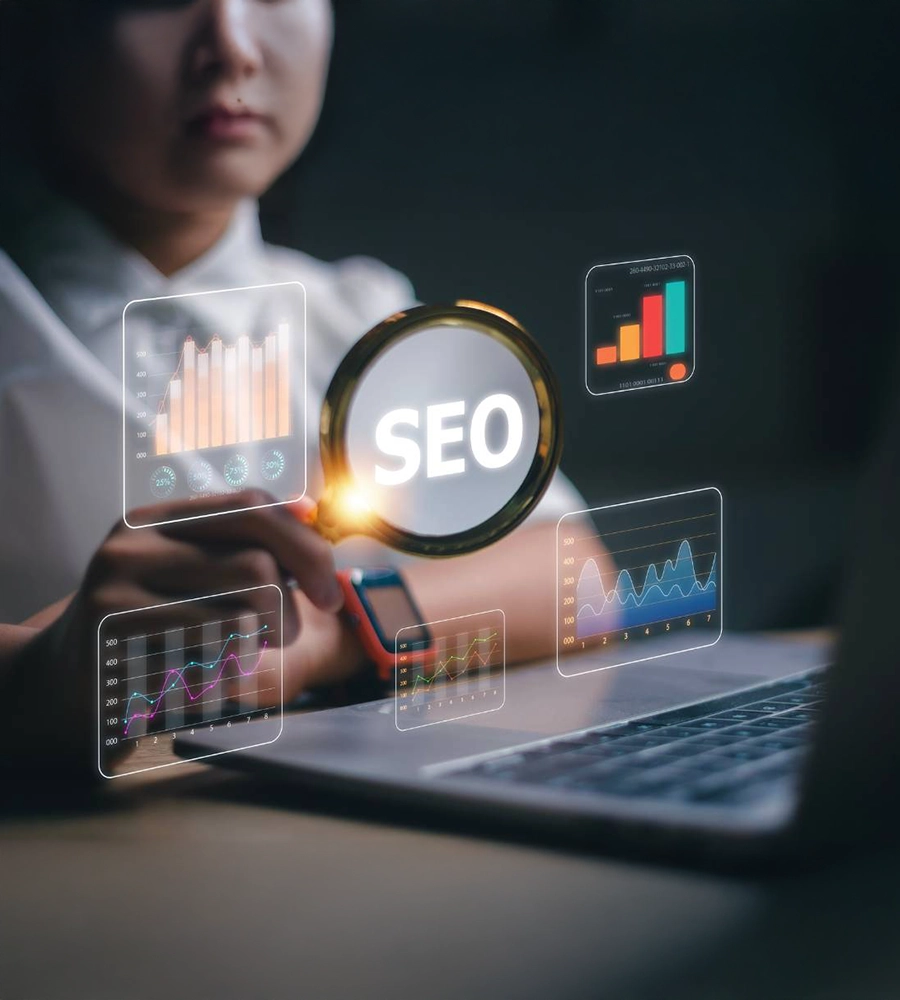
<point>88,277</point>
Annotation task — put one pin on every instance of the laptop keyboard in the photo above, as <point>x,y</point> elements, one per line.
<point>731,750</point>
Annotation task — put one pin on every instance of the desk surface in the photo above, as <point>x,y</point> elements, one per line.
<point>204,884</point>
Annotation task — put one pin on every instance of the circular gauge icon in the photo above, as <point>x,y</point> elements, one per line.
<point>162,482</point>
<point>200,476</point>
<point>237,468</point>
<point>273,465</point>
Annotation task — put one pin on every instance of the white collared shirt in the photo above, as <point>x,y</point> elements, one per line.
<point>64,282</point>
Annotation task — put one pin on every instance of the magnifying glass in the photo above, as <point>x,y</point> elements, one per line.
<point>440,431</point>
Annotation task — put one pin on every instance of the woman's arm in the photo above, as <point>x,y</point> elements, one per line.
<point>47,616</point>
<point>13,638</point>
<point>49,672</point>
<point>517,575</point>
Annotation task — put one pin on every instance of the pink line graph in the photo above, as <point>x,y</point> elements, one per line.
<point>179,673</point>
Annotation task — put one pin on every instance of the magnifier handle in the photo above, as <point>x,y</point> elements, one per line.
<point>306,510</point>
<point>315,515</point>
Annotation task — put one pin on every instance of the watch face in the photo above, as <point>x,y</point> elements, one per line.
<point>391,609</point>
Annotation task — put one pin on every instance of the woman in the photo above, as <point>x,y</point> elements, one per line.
<point>147,131</point>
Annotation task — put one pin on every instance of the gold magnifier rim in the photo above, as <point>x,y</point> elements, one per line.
<point>341,391</point>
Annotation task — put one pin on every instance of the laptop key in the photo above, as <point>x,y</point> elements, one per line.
<point>790,699</point>
<point>786,742</point>
<point>603,750</point>
<point>744,751</point>
<point>643,742</point>
<point>587,740</point>
<point>680,751</point>
<point>717,740</point>
<point>740,715</point>
<point>704,725</point>
<point>804,715</point>
<point>766,707</point>
<point>674,733</point>
<point>776,722</point>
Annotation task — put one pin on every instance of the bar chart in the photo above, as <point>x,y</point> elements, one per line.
<point>639,324</point>
<point>225,394</point>
<point>214,397</point>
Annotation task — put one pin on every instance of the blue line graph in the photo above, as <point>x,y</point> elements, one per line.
<point>173,677</point>
<point>675,592</point>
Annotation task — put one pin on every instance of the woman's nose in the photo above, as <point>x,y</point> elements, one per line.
<point>227,44</point>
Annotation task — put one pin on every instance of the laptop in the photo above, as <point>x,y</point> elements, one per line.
<point>748,751</point>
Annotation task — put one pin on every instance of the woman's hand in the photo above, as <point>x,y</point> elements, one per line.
<point>52,683</point>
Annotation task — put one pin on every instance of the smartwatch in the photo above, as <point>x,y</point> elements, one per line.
<point>378,604</point>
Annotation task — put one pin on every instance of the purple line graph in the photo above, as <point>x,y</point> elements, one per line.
<point>179,674</point>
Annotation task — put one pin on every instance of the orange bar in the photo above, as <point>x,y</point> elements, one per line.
<point>175,417</point>
<point>243,388</point>
<point>230,395</point>
<point>607,355</point>
<point>630,342</point>
<point>189,391</point>
<point>203,399</point>
<point>257,408</point>
<point>284,380</point>
<point>271,427</point>
<point>162,433</point>
<point>216,430</point>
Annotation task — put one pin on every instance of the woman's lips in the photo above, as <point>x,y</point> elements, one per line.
<point>226,124</point>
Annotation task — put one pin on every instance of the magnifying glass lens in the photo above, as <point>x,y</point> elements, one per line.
<point>440,430</point>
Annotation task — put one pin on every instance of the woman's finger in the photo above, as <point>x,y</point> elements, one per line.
<point>299,551</point>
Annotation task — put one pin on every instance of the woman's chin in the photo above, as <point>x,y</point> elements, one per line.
<point>223,176</point>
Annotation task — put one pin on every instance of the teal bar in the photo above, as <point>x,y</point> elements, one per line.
<point>676,317</point>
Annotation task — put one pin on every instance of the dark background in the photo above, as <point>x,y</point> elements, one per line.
<point>495,149</point>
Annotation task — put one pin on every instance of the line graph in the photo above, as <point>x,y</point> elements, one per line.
<point>468,660</point>
<point>639,580</point>
<point>177,675</point>
<point>672,593</point>
<point>197,665</point>
<point>458,673</point>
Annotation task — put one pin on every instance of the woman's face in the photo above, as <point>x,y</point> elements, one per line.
<point>189,106</point>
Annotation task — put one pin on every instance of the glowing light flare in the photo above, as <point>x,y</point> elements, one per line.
<point>354,503</point>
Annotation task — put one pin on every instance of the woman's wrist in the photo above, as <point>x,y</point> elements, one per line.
<point>327,651</point>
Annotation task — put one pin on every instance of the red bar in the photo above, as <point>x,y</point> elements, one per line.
<point>607,355</point>
<point>652,326</point>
